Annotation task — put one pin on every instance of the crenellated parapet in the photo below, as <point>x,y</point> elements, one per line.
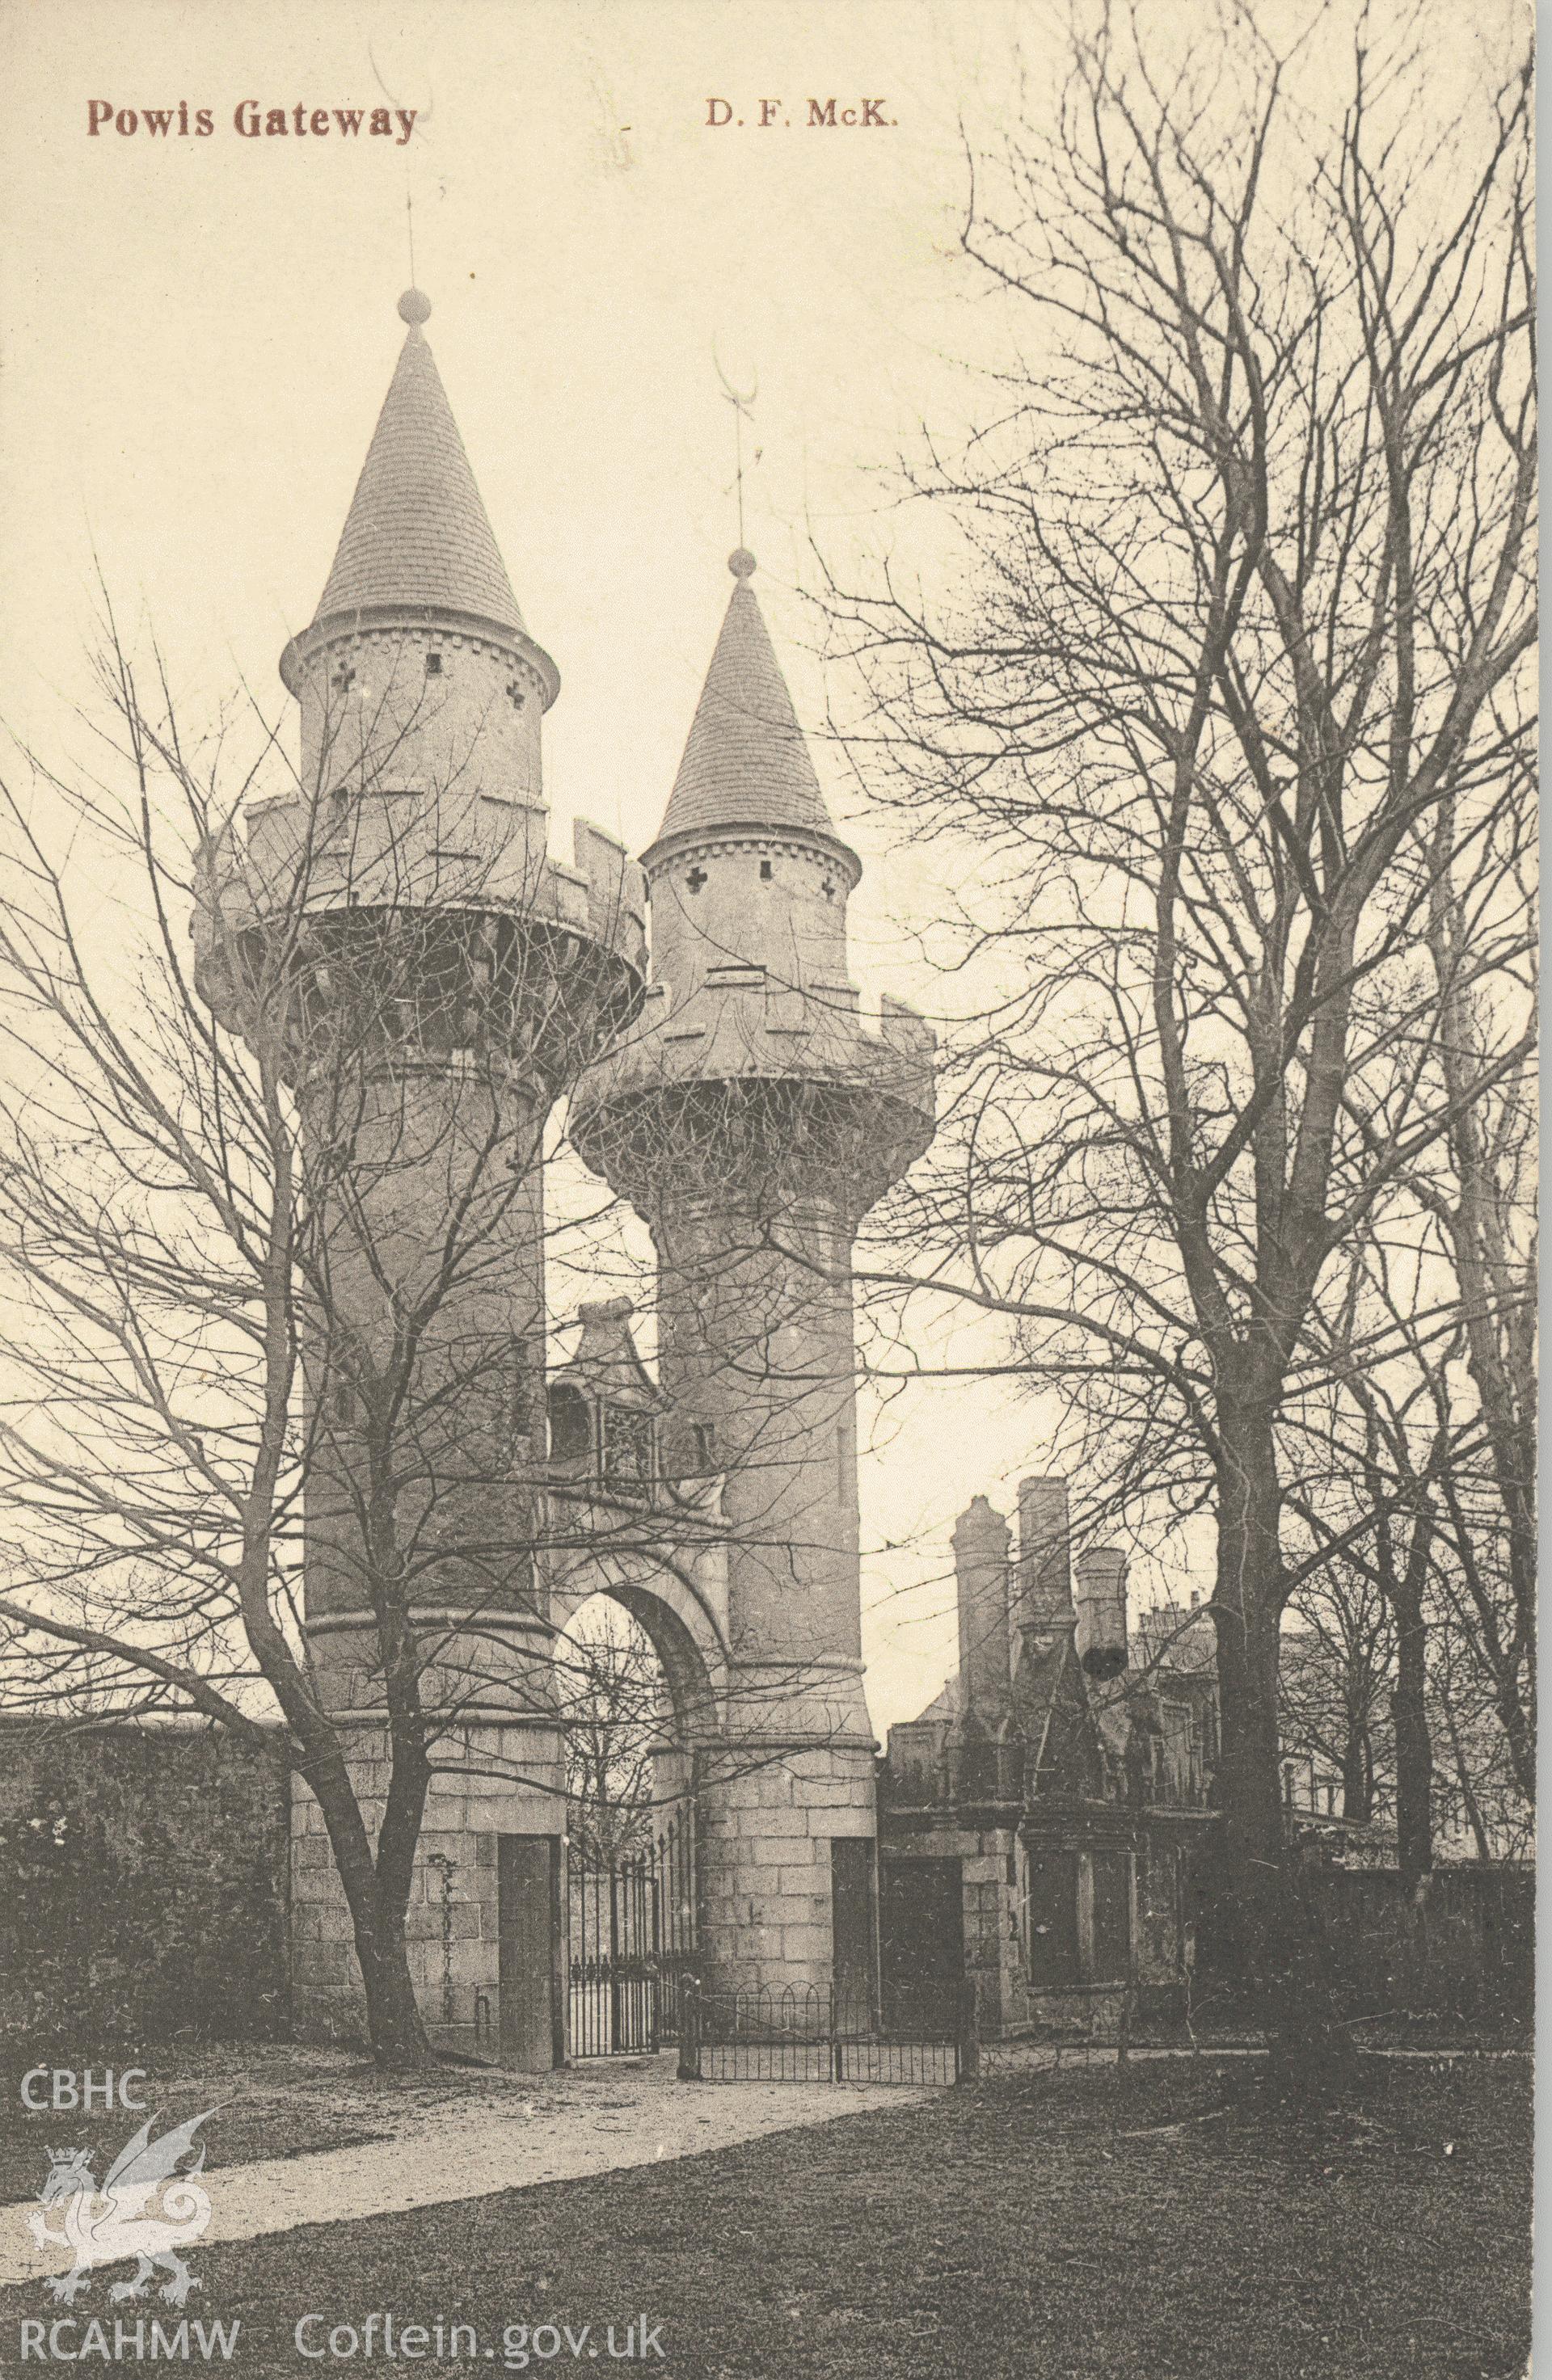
<point>284,862</point>
<point>493,940</point>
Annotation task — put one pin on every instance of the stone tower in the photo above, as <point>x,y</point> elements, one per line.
<point>753,1121</point>
<point>441,980</point>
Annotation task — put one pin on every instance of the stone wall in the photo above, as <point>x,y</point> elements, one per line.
<point>767,1865</point>
<point>991,1887</point>
<point>142,1885</point>
<point>1462,1945</point>
<point>506,1781</point>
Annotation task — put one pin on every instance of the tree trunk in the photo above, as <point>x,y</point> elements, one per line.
<point>1414,1746</point>
<point>377,1903</point>
<point>1265,1922</point>
<point>1358,1773</point>
<point>394,2021</point>
<point>1468,1791</point>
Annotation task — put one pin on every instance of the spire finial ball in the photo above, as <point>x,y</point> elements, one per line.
<point>414,307</point>
<point>741,562</point>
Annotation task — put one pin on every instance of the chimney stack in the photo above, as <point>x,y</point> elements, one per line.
<point>981,1542</point>
<point>1101,1599</point>
<point>1044,1597</point>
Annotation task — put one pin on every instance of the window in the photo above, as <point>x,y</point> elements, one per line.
<point>1175,1721</point>
<point>1111,1875</point>
<point>696,878</point>
<point>570,1424</point>
<point>1051,1910</point>
<point>516,695</point>
<point>766,872</point>
<point>703,1436</point>
<point>625,1444</point>
<point>433,666</point>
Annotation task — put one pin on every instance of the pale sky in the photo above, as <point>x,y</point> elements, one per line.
<point>198,334</point>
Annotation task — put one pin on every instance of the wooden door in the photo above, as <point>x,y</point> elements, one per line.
<point>851,1912</point>
<point>922,1941</point>
<point>528,1919</point>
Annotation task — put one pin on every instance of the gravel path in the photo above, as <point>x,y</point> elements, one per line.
<point>592,2118</point>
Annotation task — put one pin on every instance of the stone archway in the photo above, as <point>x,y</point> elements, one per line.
<point>634,1697</point>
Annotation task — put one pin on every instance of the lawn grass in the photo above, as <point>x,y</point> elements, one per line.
<point>1169,2222</point>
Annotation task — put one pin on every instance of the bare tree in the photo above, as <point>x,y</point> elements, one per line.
<point>611,1694</point>
<point>274,1340</point>
<point>1226,677</point>
<point>1335,1684</point>
<point>272,1244</point>
<point>1485,1206</point>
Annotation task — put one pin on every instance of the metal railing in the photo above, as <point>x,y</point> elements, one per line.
<point>812,2034</point>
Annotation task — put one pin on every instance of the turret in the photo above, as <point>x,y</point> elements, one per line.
<point>753,1119</point>
<point>420,789</point>
<point>393,928</point>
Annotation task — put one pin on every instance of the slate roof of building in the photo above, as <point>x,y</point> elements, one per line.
<point>1172,1637</point>
<point>745,763</point>
<point>416,531</point>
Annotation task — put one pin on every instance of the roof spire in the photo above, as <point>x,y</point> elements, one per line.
<point>416,531</point>
<point>745,763</point>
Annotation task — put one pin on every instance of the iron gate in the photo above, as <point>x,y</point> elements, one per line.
<point>632,1942</point>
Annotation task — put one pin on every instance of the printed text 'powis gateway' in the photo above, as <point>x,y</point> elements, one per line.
<point>295,121</point>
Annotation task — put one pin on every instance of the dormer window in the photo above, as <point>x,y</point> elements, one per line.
<point>696,878</point>
<point>570,1424</point>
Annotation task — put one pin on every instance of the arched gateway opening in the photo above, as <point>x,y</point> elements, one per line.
<point>631,1913</point>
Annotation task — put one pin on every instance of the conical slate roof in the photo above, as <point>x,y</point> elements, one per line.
<point>416,531</point>
<point>746,763</point>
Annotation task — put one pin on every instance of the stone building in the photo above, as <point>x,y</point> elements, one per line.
<point>1040,1819</point>
<point>447,981</point>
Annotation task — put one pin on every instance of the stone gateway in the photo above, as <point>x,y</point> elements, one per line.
<point>727,1086</point>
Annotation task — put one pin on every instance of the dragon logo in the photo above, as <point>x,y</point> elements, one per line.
<point>146,2208</point>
